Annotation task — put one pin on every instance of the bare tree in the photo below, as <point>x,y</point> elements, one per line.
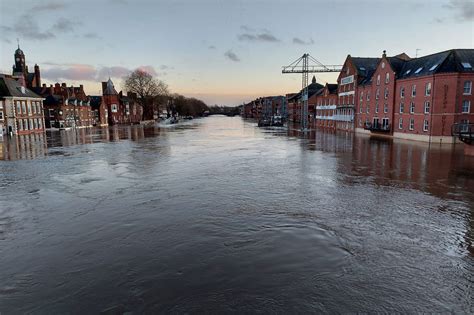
<point>147,88</point>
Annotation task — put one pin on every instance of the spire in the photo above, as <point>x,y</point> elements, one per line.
<point>18,42</point>
<point>313,81</point>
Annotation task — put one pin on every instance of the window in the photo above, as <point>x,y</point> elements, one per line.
<point>402,92</point>
<point>466,65</point>
<point>433,67</point>
<point>402,108</point>
<point>413,91</point>
<point>467,87</point>
<point>368,109</point>
<point>35,123</point>
<point>425,125</point>
<point>31,124</point>
<point>377,94</point>
<point>427,107</point>
<point>408,72</point>
<point>387,78</point>
<point>114,108</point>
<point>412,124</point>
<point>18,107</point>
<point>361,96</point>
<point>25,124</point>
<point>1,116</point>
<point>418,70</point>
<point>464,125</point>
<point>33,104</point>
<point>368,95</point>
<point>378,79</point>
<point>400,123</point>
<point>376,107</point>
<point>428,89</point>
<point>466,106</point>
<point>360,108</point>
<point>20,124</point>
<point>23,107</point>
<point>412,107</point>
<point>385,94</point>
<point>385,108</point>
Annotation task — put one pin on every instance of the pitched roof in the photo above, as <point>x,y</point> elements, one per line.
<point>11,87</point>
<point>454,60</point>
<point>365,65</point>
<point>110,89</point>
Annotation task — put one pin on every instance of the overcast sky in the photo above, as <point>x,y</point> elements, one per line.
<point>223,52</point>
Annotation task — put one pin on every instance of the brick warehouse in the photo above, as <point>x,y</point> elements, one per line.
<point>418,99</point>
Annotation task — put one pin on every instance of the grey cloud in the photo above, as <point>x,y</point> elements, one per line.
<point>91,35</point>
<point>299,41</point>
<point>28,28</point>
<point>232,56</point>
<point>212,47</point>
<point>49,6</point>
<point>464,9</point>
<point>262,37</point>
<point>247,28</point>
<point>65,25</point>
<point>165,67</point>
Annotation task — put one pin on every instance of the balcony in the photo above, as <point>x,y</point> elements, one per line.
<point>464,132</point>
<point>377,127</point>
<point>348,118</point>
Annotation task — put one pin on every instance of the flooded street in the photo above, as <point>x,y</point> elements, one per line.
<point>217,215</point>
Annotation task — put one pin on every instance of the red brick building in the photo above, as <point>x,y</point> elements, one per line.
<point>295,103</point>
<point>355,71</point>
<point>21,108</point>
<point>66,107</point>
<point>115,110</point>
<point>326,104</point>
<point>418,99</point>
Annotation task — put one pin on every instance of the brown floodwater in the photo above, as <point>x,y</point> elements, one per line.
<point>216,215</point>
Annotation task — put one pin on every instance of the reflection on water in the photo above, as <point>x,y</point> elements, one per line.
<point>217,215</point>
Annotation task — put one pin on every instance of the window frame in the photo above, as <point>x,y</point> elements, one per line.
<point>426,124</point>
<point>468,107</point>
<point>428,89</point>
<point>412,107</point>
<point>411,125</point>
<point>427,104</point>
<point>413,90</point>
<point>470,88</point>
<point>400,123</point>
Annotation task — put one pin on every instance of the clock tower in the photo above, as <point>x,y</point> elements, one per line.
<point>20,66</point>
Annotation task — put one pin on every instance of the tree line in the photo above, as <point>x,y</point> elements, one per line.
<point>155,97</point>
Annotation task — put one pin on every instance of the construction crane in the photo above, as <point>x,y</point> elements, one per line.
<point>307,64</point>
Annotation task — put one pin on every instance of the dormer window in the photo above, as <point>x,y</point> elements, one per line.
<point>418,70</point>
<point>22,90</point>
<point>466,65</point>
<point>378,79</point>
<point>383,65</point>
<point>387,78</point>
<point>408,72</point>
<point>433,67</point>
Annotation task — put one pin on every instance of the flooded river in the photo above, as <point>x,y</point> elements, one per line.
<point>217,215</point>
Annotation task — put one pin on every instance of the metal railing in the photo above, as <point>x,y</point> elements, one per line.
<point>377,127</point>
<point>464,132</point>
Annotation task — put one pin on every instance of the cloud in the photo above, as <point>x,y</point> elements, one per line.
<point>28,28</point>
<point>261,37</point>
<point>48,6</point>
<point>464,9</point>
<point>92,35</point>
<point>85,72</point>
<point>74,72</point>
<point>299,41</point>
<point>232,56</point>
<point>212,47</point>
<point>65,25</point>
<point>247,28</point>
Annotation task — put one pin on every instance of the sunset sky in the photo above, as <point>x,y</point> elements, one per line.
<point>224,52</point>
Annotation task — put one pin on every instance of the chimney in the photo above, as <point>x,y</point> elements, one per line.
<point>384,54</point>
<point>44,85</point>
<point>81,87</point>
<point>104,87</point>
<point>37,75</point>
<point>63,85</point>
